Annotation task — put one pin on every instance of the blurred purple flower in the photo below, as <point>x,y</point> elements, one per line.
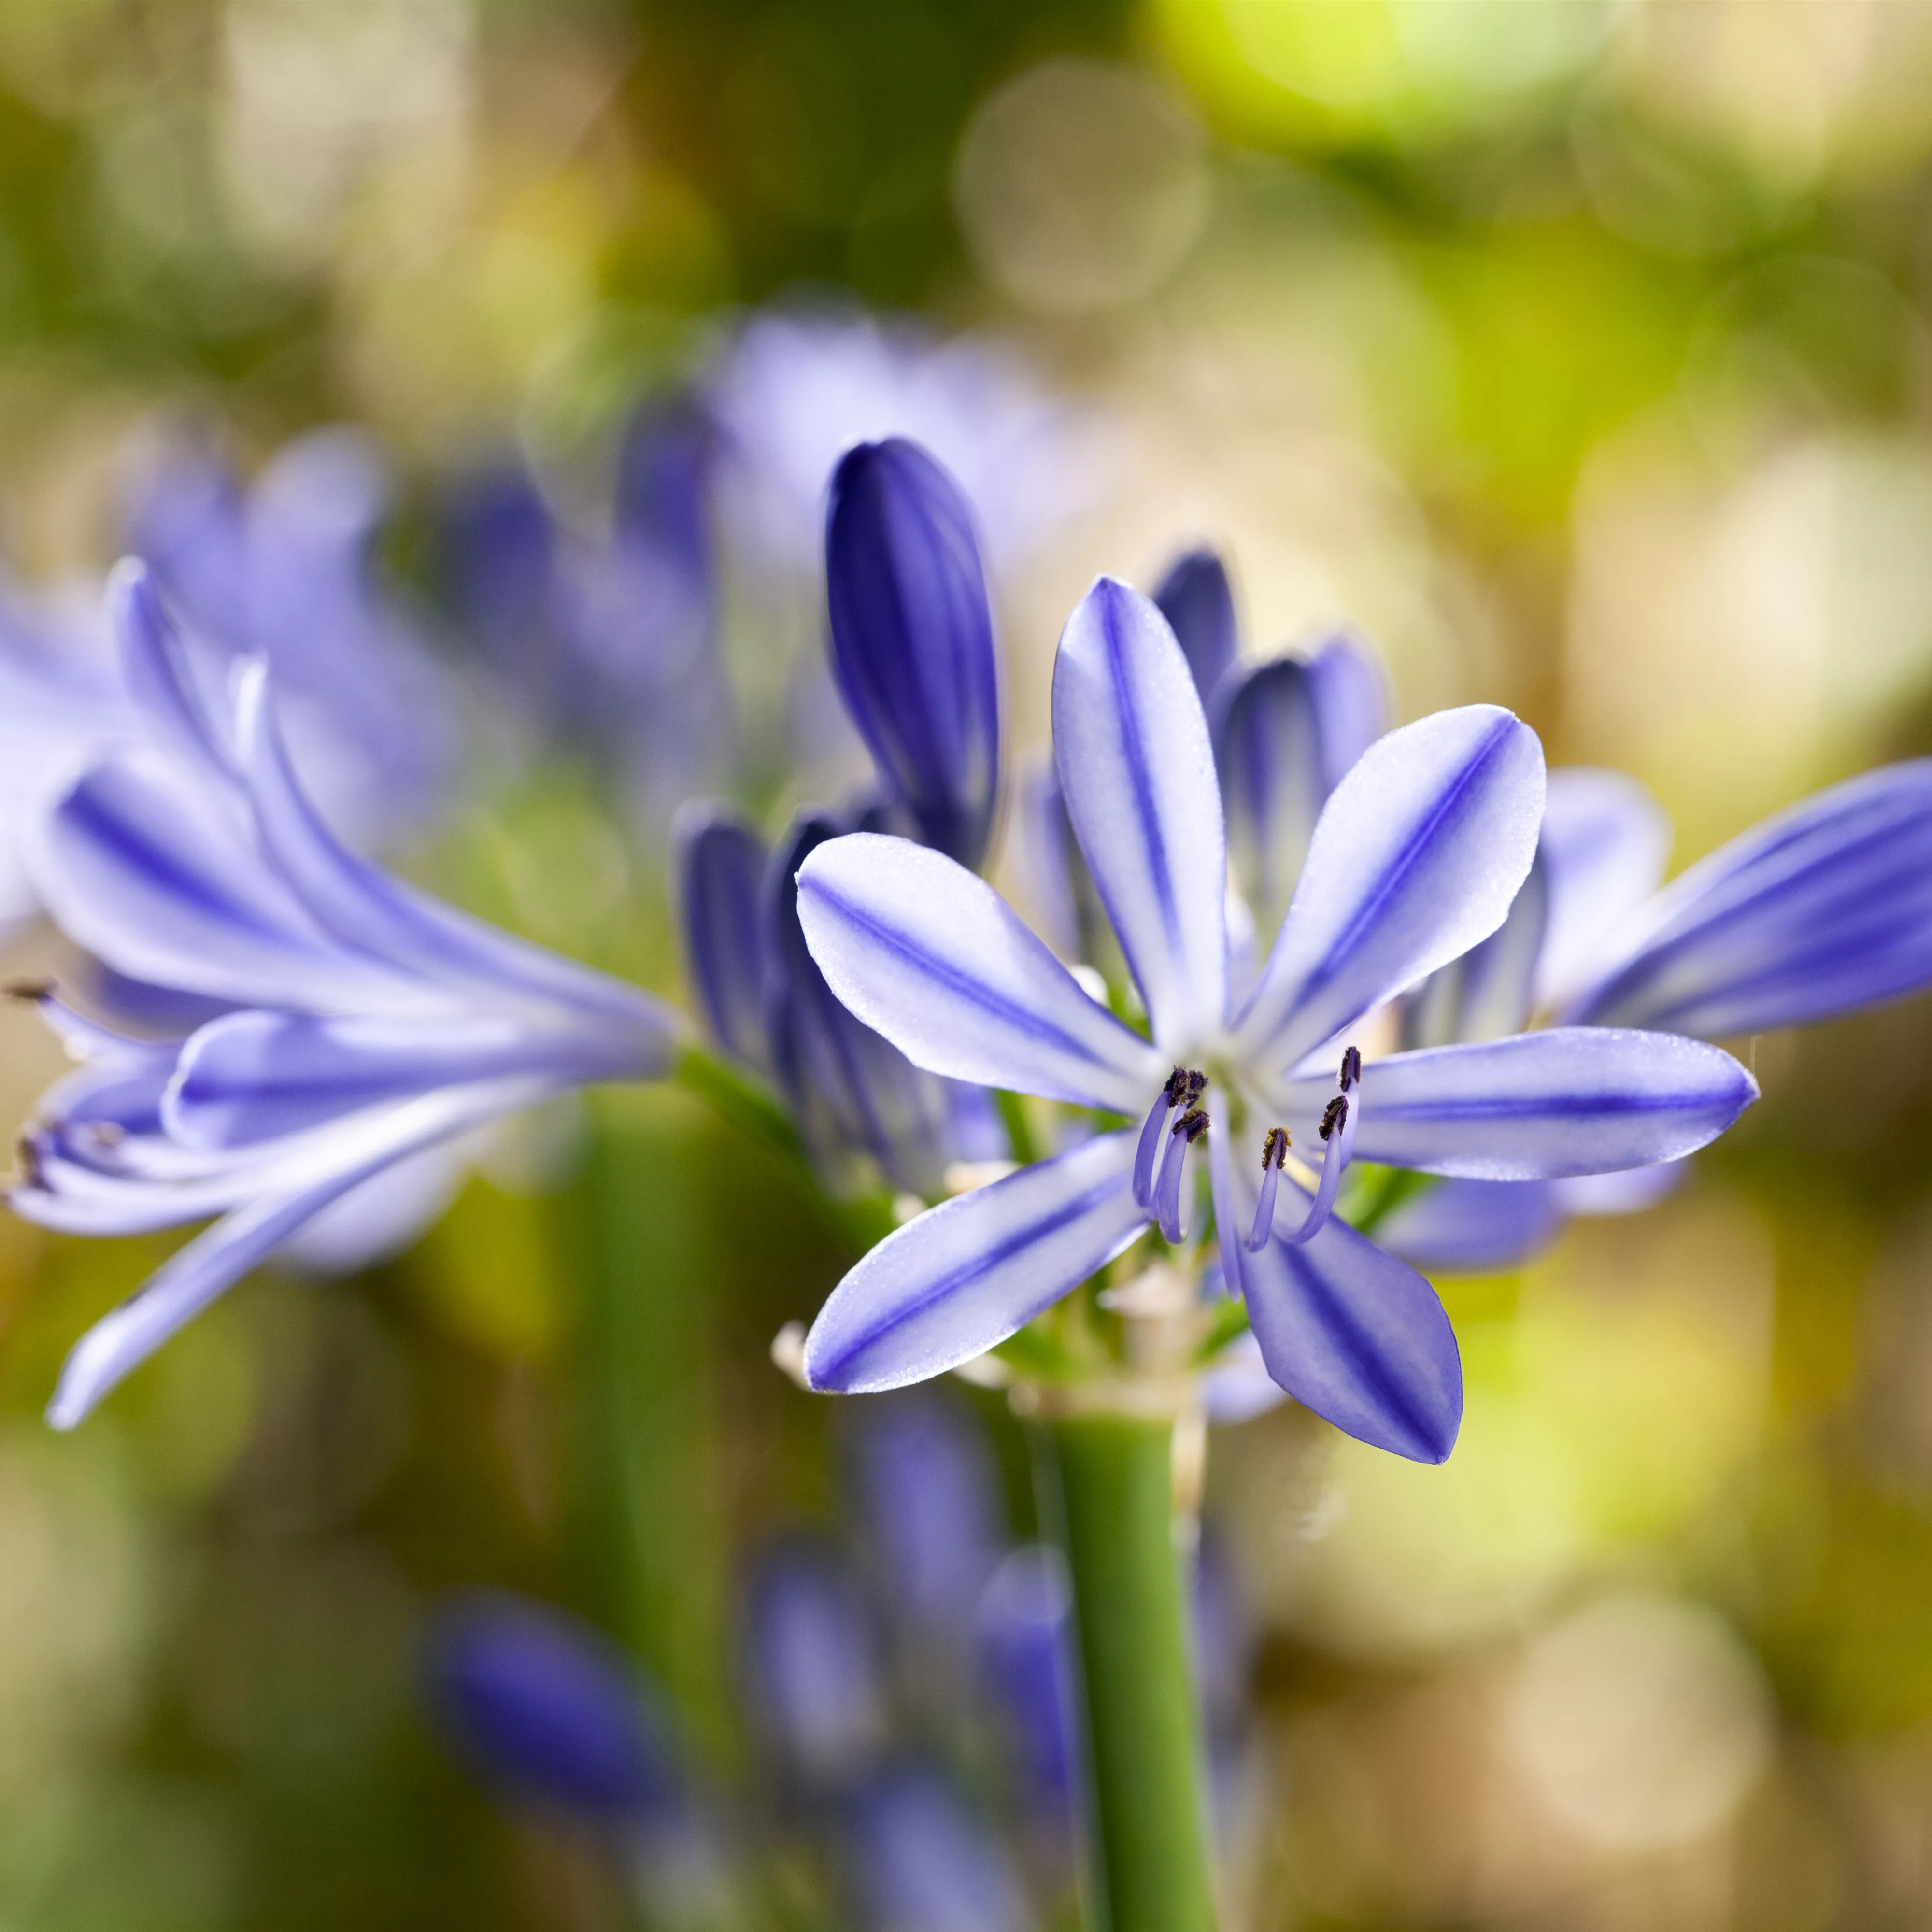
<point>1026,1649</point>
<point>925,1863</point>
<point>548,1711</point>
<point>791,394</point>
<point>610,644</point>
<point>1418,853</point>
<point>814,1674</point>
<point>336,1022</point>
<point>282,571</point>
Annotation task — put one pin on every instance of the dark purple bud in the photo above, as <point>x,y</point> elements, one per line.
<point>1195,598</point>
<point>853,1091</point>
<point>912,639</point>
<point>543,1707</point>
<point>720,866</point>
<point>498,555</point>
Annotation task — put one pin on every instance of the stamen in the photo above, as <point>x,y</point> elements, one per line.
<point>1274,1152</point>
<point>1182,1088</point>
<point>1339,1121</point>
<point>1167,1203</point>
<point>34,989</point>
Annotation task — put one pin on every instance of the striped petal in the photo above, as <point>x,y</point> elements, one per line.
<point>1359,1337</point>
<point>1268,748</point>
<point>1199,603</point>
<point>1538,1106</point>
<point>721,865</point>
<point>1823,909</point>
<point>212,1263</point>
<point>966,1274</point>
<point>1418,855</point>
<point>1137,775</point>
<point>931,957</point>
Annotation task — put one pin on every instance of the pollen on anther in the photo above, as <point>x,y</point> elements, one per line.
<point>1334,1116</point>
<point>1193,1124</point>
<point>1351,1067</point>
<point>1274,1148</point>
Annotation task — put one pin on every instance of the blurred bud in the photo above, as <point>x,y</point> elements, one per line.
<point>852,1090</point>
<point>924,1489</point>
<point>812,1665</point>
<point>1195,598</point>
<point>720,866</point>
<point>912,639</point>
<point>926,1863</point>
<point>1286,733</point>
<point>544,1709</point>
<point>1026,1647</point>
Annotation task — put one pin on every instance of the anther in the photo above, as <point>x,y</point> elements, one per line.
<point>1334,1116</point>
<point>1179,1089</point>
<point>27,1157</point>
<point>1351,1067</point>
<point>1274,1154</point>
<point>1193,1124</point>
<point>1274,1148</point>
<point>30,989</point>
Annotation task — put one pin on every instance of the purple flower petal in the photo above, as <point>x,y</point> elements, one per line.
<point>1489,993</point>
<point>1604,842</point>
<point>721,864</point>
<point>966,1274</point>
<point>1825,908</point>
<point>1137,775</point>
<point>1419,852</point>
<point>1572,1100</point>
<point>212,1263</point>
<point>1359,1337</point>
<point>1268,750</point>
<point>1195,598</point>
<point>931,957</point>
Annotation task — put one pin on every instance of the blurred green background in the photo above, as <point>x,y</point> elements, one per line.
<point>1578,352</point>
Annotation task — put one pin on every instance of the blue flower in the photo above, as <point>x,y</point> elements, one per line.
<point>607,645</point>
<point>283,572</point>
<point>334,1021</point>
<point>912,640</point>
<point>1027,1658</point>
<point>1823,909</point>
<point>814,1676</point>
<point>1418,853</point>
<point>548,1711</point>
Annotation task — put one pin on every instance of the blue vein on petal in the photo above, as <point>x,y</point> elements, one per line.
<point>982,1265</point>
<point>164,870</point>
<point>1357,1344</point>
<point>1134,753</point>
<point>1451,801</point>
<point>974,992</point>
<point>1566,1106</point>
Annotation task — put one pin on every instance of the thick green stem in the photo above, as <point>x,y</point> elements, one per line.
<point>643,1226</point>
<point>1114,1494</point>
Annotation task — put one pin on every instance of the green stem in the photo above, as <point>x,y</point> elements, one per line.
<point>644,1228</point>
<point>1149,1827</point>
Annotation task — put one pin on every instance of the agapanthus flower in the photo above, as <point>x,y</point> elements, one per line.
<point>282,570</point>
<point>331,1021</point>
<point>1417,856</point>
<point>922,1862</point>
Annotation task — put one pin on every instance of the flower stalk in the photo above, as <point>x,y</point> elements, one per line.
<point>1111,1494</point>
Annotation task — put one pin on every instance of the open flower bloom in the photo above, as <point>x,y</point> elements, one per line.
<point>1821,910</point>
<point>341,1022</point>
<point>1417,856</point>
